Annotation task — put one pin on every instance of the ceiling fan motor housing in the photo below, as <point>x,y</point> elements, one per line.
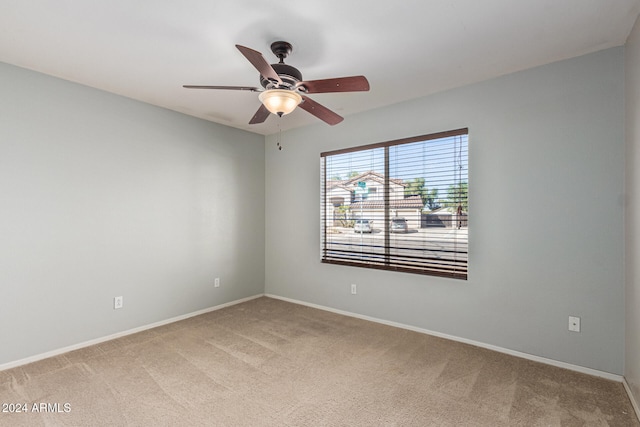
<point>289,75</point>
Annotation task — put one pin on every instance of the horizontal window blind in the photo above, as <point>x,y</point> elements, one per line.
<point>399,205</point>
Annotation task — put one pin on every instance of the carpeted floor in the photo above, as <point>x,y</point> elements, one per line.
<point>271,363</point>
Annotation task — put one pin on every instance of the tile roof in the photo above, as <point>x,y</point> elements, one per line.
<point>411,202</point>
<point>349,184</point>
<point>374,176</point>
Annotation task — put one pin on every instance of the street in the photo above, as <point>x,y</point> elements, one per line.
<point>441,245</point>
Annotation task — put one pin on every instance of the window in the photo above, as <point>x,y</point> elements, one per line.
<point>413,195</point>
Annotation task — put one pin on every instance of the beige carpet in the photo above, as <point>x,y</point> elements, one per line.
<point>271,363</point>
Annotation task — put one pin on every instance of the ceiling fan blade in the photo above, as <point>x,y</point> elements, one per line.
<point>258,61</point>
<point>320,111</point>
<point>340,84</point>
<point>260,116</point>
<point>249,88</point>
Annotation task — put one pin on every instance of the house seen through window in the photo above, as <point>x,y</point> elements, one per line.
<point>399,205</point>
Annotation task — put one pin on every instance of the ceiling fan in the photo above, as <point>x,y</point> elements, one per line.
<point>283,88</point>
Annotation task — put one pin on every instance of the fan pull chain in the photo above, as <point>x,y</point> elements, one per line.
<point>279,138</point>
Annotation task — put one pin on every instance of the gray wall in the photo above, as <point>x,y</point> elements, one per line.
<point>546,152</point>
<point>632,213</point>
<point>103,196</point>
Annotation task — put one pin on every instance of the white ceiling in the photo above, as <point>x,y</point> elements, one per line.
<point>147,49</point>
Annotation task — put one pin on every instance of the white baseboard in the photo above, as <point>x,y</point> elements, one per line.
<point>59,351</point>
<point>577,368</point>
<point>632,398</point>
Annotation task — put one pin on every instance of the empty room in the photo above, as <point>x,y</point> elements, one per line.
<point>320,213</point>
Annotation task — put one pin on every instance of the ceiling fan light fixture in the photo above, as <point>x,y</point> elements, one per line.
<point>280,101</point>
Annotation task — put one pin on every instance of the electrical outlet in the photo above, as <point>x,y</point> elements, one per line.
<point>574,324</point>
<point>117,303</point>
<point>216,283</point>
<point>354,289</point>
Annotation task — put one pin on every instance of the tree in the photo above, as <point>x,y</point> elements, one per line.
<point>349,175</point>
<point>416,187</point>
<point>431,199</point>
<point>342,214</point>
<point>457,195</point>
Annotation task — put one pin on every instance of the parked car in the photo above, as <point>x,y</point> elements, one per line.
<point>398,225</point>
<point>362,226</point>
